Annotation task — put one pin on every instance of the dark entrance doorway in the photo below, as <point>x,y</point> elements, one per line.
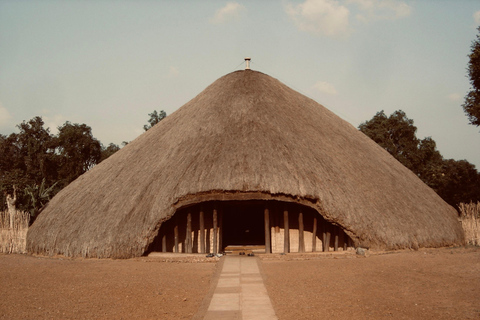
<point>243,225</point>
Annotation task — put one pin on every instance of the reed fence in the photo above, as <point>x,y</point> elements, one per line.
<point>470,217</point>
<point>13,231</point>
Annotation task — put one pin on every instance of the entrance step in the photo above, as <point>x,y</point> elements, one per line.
<point>239,249</point>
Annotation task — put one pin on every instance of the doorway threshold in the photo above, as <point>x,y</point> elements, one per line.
<point>237,249</point>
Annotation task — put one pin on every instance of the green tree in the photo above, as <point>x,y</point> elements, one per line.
<point>37,197</point>
<point>396,134</point>
<point>459,182</point>
<point>12,167</point>
<point>108,151</point>
<point>155,117</point>
<point>37,156</point>
<point>27,158</point>
<point>455,181</point>
<point>79,151</point>
<point>33,159</point>
<point>430,163</point>
<point>472,99</point>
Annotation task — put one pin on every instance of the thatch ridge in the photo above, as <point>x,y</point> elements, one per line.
<point>245,133</point>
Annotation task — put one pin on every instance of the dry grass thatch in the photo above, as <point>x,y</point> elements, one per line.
<point>470,216</point>
<point>13,233</point>
<point>247,134</point>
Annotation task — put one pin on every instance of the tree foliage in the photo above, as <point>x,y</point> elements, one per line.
<point>27,158</point>
<point>396,134</point>
<point>108,151</point>
<point>459,182</point>
<point>472,99</point>
<point>79,151</point>
<point>41,164</point>
<point>37,197</point>
<point>155,117</point>
<point>455,181</point>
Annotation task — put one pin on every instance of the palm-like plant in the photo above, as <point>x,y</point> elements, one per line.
<point>38,197</point>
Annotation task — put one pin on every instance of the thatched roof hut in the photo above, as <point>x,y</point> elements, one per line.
<point>246,137</point>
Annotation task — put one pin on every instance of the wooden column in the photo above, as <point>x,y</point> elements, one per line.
<point>164,243</point>
<point>335,232</point>
<point>324,234</point>
<point>301,242</point>
<point>345,239</point>
<point>215,227</point>
<point>175,235</point>
<point>202,231</point>
<point>314,234</point>
<point>220,230</point>
<point>188,237</point>
<point>266,215</point>
<point>350,242</point>
<point>286,233</point>
<point>326,247</point>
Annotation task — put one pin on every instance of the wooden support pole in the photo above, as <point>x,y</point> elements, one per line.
<point>286,231</point>
<point>350,242</point>
<point>266,216</point>
<point>324,234</point>
<point>335,232</point>
<point>345,241</point>
<point>188,237</point>
<point>276,219</point>
<point>202,231</point>
<point>220,230</point>
<point>326,247</point>
<point>314,234</point>
<point>164,243</point>
<point>301,241</point>
<point>215,227</point>
<point>175,235</point>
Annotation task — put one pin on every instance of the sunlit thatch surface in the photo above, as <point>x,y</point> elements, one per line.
<point>247,133</point>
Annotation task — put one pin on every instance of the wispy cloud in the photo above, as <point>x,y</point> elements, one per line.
<point>232,11</point>
<point>320,17</point>
<point>331,18</point>
<point>5,116</point>
<point>325,87</point>
<point>54,121</point>
<point>173,72</point>
<point>454,97</point>
<point>371,10</point>
<point>476,17</point>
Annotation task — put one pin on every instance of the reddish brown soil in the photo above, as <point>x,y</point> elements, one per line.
<point>424,284</point>
<point>54,288</point>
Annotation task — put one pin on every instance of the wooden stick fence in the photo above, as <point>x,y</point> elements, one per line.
<point>13,231</point>
<point>470,218</point>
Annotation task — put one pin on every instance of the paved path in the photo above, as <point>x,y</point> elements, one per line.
<point>240,292</point>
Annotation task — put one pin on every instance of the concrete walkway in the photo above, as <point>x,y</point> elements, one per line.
<point>240,292</point>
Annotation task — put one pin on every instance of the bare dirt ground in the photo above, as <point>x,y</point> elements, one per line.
<point>425,284</point>
<point>54,288</point>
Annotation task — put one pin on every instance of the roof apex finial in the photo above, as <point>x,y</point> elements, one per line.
<point>247,63</point>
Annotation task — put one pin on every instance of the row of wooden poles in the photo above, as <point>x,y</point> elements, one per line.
<point>188,239</point>
<point>327,231</point>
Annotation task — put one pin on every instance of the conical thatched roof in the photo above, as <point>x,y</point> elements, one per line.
<point>246,135</point>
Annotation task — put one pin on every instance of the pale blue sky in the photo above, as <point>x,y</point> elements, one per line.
<point>109,63</point>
